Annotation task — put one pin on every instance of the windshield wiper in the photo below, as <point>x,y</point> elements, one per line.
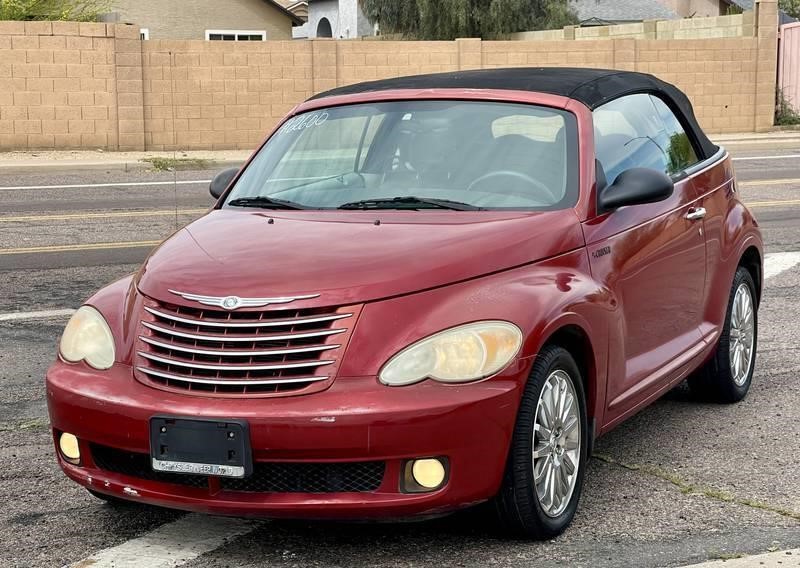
<point>265,202</point>
<point>409,202</point>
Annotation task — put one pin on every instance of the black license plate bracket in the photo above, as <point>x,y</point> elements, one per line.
<point>200,446</point>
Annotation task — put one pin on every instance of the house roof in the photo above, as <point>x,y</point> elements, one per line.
<point>278,6</point>
<point>622,10</point>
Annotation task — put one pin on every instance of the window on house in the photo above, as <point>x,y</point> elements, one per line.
<point>236,35</point>
<point>144,34</point>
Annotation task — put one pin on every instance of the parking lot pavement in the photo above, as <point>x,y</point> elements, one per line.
<point>680,483</point>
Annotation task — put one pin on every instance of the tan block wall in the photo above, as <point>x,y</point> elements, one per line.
<point>215,95</point>
<point>69,85</point>
<point>182,19</point>
<point>738,25</point>
<point>57,85</point>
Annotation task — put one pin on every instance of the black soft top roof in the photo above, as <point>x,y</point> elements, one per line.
<point>592,87</point>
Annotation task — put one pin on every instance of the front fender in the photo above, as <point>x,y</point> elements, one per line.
<point>120,305</point>
<point>540,299</point>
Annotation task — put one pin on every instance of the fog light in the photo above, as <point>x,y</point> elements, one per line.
<point>68,444</point>
<point>428,473</point>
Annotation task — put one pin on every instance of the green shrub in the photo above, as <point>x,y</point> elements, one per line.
<point>68,10</point>
<point>785,114</point>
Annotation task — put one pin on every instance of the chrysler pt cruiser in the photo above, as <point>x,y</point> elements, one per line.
<point>420,294</point>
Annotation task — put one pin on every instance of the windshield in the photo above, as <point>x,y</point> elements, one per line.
<point>417,154</point>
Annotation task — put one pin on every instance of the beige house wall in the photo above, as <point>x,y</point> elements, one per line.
<point>183,19</point>
<point>69,85</point>
<point>697,8</point>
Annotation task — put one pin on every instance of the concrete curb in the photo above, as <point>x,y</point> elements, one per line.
<point>782,140</point>
<point>108,166</point>
<point>787,144</point>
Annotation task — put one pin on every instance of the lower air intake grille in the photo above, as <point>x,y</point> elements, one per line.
<point>267,477</point>
<point>138,465</point>
<point>357,477</point>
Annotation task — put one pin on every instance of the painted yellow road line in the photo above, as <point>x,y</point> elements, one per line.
<point>72,248</point>
<point>763,182</point>
<point>775,203</point>
<point>111,214</point>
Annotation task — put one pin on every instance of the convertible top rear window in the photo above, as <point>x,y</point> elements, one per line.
<point>483,155</point>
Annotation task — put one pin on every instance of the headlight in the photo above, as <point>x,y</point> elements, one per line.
<point>464,353</point>
<point>87,337</point>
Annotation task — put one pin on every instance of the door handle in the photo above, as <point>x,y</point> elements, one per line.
<point>696,213</point>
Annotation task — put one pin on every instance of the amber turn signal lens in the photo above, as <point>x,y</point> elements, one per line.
<point>68,444</point>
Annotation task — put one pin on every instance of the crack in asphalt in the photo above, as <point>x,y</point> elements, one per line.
<point>688,488</point>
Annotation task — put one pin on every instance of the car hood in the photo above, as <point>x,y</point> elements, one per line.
<point>348,257</point>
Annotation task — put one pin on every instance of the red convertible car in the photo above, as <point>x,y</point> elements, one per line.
<point>418,295</point>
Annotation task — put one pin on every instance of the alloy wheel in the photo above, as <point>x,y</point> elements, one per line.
<point>556,443</point>
<point>742,336</point>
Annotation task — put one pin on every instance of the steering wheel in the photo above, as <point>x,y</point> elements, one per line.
<point>518,176</point>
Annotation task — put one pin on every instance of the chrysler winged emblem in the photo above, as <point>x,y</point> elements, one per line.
<point>233,302</point>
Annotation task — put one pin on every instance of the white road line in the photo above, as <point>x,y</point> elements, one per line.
<point>780,559</point>
<point>116,184</point>
<point>753,158</point>
<point>777,262</point>
<point>170,545</point>
<point>23,316</point>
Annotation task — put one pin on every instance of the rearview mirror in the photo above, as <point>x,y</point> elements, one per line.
<point>636,187</point>
<point>221,182</point>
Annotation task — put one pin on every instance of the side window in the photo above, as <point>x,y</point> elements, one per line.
<point>680,152</point>
<point>640,131</point>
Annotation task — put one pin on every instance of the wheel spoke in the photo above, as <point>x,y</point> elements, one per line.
<point>554,397</point>
<point>567,411</point>
<point>569,465</point>
<point>546,406</point>
<point>537,477</point>
<point>563,484</point>
<point>543,451</point>
<point>570,424</point>
<point>562,399</point>
<point>544,433</point>
<point>545,484</point>
<point>737,358</point>
<point>741,305</point>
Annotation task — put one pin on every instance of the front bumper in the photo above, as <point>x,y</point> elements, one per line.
<point>355,420</point>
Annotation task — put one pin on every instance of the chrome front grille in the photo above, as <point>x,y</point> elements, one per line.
<point>246,352</point>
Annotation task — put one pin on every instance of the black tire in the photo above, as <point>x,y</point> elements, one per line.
<point>714,382</point>
<point>517,504</point>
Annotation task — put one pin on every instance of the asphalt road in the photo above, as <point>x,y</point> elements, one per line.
<point>681,482</point>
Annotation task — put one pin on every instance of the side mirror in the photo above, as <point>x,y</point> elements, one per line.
<point>636,186</point>
<point>221,182</point>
